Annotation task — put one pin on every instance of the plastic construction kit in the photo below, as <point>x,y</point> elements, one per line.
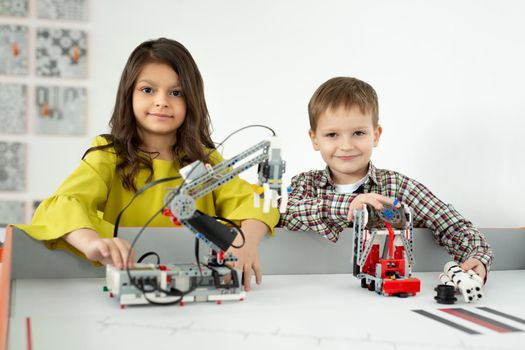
<point>212,279</point>
<point>160,283</point>
<point>382,257</point>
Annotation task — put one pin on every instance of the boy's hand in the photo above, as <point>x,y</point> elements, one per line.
<point>116,251</point>
<point>371,199</point>
<point>476,266</point>
<point>248,254</point>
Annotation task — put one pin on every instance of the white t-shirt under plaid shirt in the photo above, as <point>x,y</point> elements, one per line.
<point>314,205</point>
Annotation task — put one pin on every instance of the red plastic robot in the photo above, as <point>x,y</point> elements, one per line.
<point>383,256</point>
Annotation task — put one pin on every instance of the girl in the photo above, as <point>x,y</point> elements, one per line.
<point>160,123</point>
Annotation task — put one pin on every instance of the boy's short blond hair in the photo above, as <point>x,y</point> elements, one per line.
<point>346,92</point>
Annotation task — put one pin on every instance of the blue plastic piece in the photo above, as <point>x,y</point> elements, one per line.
<point>389,214</point>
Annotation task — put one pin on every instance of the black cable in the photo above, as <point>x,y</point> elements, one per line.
<point>220,144</point>
<point>197,258</point>
<point>145,255</point>
<point>243,128</point>
<point>237,228</point>
<point>173,291</point>
<point>138,193</point>
<point>176,292</point>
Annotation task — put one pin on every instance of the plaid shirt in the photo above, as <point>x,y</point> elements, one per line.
<point>314,205</point>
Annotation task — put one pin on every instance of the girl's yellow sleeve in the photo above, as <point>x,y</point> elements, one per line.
<point>234,201</point>
<point>76,202</point>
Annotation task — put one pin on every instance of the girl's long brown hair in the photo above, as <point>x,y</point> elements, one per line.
<point>193,136</point>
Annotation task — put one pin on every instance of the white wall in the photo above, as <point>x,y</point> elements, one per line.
<point>449,75</point>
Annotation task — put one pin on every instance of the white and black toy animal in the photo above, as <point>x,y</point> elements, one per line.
<point>469,283</point>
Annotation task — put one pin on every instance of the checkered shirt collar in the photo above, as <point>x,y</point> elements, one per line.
<point>326,179</point>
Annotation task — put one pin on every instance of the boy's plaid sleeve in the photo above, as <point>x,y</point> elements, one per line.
<point>311,208</point>
<point>314,206</point>
<point>451,230</point>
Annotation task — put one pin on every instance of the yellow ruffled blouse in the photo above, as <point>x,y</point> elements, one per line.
<point>93,195</point>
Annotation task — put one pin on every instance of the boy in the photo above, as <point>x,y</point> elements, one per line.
<point>344,128</point>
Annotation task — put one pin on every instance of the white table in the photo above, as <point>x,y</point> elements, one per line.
<point>285,312</point>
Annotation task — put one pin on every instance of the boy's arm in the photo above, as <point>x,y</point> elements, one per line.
<point>321,211</point>
<point>451,230</point>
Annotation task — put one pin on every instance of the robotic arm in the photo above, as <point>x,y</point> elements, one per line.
<point>200,179</point>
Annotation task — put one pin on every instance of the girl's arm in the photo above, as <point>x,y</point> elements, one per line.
<point>72,216</point>
<point>78,201</point>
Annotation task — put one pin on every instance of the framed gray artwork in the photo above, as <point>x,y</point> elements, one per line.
<point>11,212</point>
<point>61,53</point>
<point>16,8</point>
<point>13,50</point>
<point>13,99</point>
<point>75,10</point>
<point>12,166</point>
<point>60,110</point>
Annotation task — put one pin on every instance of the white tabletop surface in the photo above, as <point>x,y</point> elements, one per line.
<point>285,312</point>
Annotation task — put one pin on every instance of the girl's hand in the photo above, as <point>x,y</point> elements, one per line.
<point>374,200</point>
<point>116,251</point>
<point>248,255</point>
<point>248,260</point>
